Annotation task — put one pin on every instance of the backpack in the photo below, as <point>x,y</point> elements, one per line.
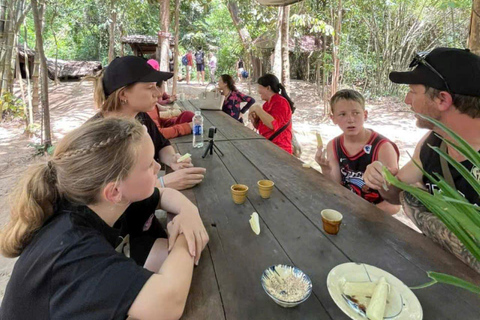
<point>244,74</point>
<point>184,60</point>
<point>199,57</point>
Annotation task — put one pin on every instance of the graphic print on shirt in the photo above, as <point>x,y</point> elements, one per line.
<point>353,167</point>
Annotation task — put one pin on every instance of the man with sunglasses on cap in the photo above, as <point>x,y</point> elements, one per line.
<point>445,85</point>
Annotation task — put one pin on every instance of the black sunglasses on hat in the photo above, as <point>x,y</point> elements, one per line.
<point>420,58</point>
<point>123,71</point>
<point>456,71</point>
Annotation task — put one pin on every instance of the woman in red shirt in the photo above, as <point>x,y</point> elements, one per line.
<point>274,119</point>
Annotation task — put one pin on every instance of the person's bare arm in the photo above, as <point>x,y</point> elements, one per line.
<point>265,117</point>
<point>388,156</point>
<point>164,295</point>
<point>409,174</point>
<point>167,155</point>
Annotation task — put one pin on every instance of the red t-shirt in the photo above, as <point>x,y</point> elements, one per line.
<point>279,109</point>
<point>189,59</point>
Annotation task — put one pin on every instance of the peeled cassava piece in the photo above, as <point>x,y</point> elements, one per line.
<point>319,140</point>
<point>364,289</point>
<point>376,308</point>
<point>184,157</point>
<point>255,223</point>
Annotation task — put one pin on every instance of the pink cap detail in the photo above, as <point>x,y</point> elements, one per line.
<point>154,64</point>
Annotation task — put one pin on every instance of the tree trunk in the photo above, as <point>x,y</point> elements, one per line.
<point>7,47</point>
<point>336,44</point>
<point>55,75</point>
<point>111,31</point>
<point>36,70</point>
<point>44,71</point>
<point>163,38</point>
<point>285,80</point>
<point>474,37</point>
<point>27,74</point>
<point>277,60</point>
<point>122,47</point>
<point>242,32</point>
<point>175,55</point>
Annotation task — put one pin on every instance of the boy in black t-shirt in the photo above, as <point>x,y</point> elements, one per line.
<point>348,155</point>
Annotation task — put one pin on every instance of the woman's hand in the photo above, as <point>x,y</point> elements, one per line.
<point>189,223</point>
<point>184,178</point>
<point>187,163</point>
<point>254,119</point>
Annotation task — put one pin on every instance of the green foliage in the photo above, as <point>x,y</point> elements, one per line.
<point>41,149</point>
<point>461,217</point>
<point>11,107</point>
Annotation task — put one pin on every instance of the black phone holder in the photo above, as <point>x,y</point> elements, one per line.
<point>211,146</point>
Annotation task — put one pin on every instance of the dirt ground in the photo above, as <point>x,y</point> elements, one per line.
<point>71,104</point>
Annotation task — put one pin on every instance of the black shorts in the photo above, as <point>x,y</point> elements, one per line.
<point>200,67</point>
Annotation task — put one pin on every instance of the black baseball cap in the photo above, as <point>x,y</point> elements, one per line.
<point>459,68</point>
<point>123,71</point>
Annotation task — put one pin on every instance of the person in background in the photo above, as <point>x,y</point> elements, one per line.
<point>274,119</point>
<point>347,156</point>
<point>189,65</point>
<point>60,227</point>
<point>240,69</point>
<point>171,127</point>
<point>233,98</point>
<point>200,61</point>
<point>212,64</point>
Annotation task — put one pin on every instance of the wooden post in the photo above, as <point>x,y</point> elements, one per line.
<point>474,36</point>
<point>175,55</point>
<point>285,80</point>
<point>163,36</point>
<point>44,71</point>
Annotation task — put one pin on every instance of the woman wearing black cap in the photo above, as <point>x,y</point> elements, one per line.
<point>128,88</point>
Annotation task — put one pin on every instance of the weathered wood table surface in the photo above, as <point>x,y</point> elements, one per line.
<point>226,284</point>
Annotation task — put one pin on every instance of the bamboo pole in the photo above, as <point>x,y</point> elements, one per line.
<point>175,55</point>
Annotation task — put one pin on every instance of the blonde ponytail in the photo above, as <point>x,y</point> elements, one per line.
<point>85,160</point>
<point>103,103</point>
<point>32,204</point>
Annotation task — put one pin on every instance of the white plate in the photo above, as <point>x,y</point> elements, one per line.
<point>402,302</point>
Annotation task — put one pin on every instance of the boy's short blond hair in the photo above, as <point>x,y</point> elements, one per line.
<point>347,94</point>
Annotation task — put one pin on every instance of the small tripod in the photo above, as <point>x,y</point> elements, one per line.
<point>211,143</point>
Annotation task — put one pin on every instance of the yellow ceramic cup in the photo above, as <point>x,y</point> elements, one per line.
<point>239,193</point>
<point>331,220</point>
<point>265,188</point>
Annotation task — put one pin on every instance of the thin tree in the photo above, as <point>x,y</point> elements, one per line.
<point>111,31</point>
<point>285,53</point>
<point>474,36</point>
<point>164,35</point>
<point>175,56</point>
<point>335,48</point>
<point>44,73</point>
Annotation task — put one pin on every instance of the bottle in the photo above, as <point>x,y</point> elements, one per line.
<point>198,130</point>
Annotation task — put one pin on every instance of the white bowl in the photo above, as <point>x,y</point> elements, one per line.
<point>281,272</point>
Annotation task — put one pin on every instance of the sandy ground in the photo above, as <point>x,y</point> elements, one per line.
<point>71,104</point>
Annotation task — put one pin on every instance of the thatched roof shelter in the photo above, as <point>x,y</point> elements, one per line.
<point>144,45</point>
<point>72,69</point>
<point>266,42</point>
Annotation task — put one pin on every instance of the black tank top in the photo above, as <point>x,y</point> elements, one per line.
<point>431,163</point>
<point>240,64</point>
<point>353,167</point>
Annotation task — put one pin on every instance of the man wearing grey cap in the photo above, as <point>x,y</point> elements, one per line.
<point>444,85</point>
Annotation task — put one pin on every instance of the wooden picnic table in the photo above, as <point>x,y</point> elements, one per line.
<point>226,284</point>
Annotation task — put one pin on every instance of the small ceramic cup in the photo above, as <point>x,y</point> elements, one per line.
<point>331,220</point>
<point>239,193</point>
<point>265,188</point>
